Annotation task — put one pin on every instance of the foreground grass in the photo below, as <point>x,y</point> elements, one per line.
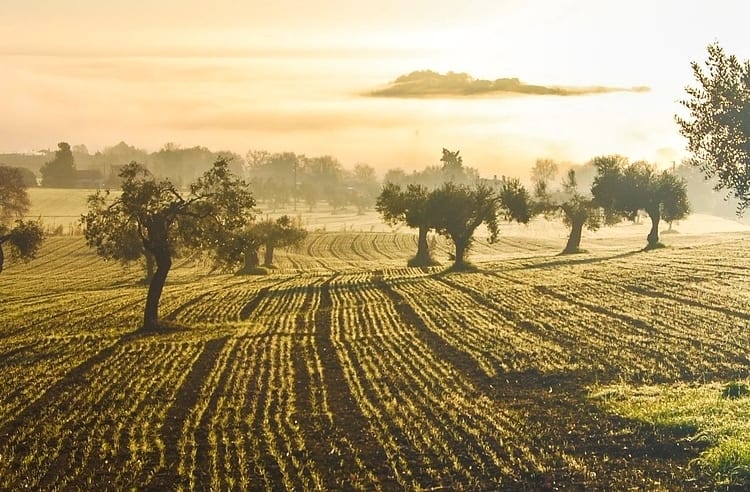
<point>716,413</point>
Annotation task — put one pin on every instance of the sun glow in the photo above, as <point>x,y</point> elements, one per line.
<point>290,76</point>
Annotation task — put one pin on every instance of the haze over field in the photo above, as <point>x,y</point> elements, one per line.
<point>289,76</point>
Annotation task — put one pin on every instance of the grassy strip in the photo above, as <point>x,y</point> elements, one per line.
<point>717,413</point>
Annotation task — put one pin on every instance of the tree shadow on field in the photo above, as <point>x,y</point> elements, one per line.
<point>587,447</point>
<point>579,446</point>
<point>185,401</point>
<point>545,262</point>
<point>572,260</point>
<point>76,377</point>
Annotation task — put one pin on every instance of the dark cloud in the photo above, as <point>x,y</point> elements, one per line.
<point>426,83</point>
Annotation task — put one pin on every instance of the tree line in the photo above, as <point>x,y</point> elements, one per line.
<point>278,179</point>
<point>619,190</point>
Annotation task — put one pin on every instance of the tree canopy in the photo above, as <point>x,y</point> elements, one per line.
<point>279,233</point>
<point>458,210</point>
<point>24,237</point>
<point>718,123</point>
<point>242,248</point>
<point>217,204</point>
<point>14,200</point>
<point>60,172</point>
<point>543,172</point>
<point>412,208</point>
<point>577,210</point>
<point>625,189</point>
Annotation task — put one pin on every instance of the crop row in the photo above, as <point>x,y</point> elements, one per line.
<point>102,421</point>
<point>431,421</point>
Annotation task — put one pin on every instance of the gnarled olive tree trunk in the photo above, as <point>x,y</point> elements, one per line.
<point>462,245</point>
<point>150,267</point>
<point>2,255</point>
<point>423,249</point>
<point>251,260</point>
<point>653,236</point>
<point>574,239</point>
<point>157,245</point>
<point>268,255</point>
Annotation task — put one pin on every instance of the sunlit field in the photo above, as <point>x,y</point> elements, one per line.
<point>343,369</point>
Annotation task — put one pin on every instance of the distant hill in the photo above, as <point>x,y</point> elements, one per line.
<point>425,83</point>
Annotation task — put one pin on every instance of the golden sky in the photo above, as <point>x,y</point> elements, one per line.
<point>286,75</point>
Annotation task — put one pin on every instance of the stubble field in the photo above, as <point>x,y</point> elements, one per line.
<point>343,369</point>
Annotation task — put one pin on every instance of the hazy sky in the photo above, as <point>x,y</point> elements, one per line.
<point>286,75</point>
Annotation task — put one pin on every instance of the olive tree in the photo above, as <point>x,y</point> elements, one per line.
<point>626,189</point>
<point>280,233</point>
<point>717,126</point>
<point>412,208</point>
<point>576,209</point>
<point>458,210</point>
<point>166,220</point>
<point>24,238</point>
<point>242,248</point>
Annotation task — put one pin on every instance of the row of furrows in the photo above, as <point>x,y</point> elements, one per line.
<point>28,367</point>
<point>65,264</point>
<point>497,338</point>
<point>670,339</point>
<point>223,301</point>
<point>259,405</point>
<point>240,434</point>
<point>432,434</point>
<point>695,341</point>
<point>101,424</point>
<point>512,326</point>
<point>71,314</point>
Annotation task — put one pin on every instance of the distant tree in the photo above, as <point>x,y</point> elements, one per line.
<point>338,197</point>
<point>60,172</point>
<point>452,163</point>
<point>674,199</point>
<point>24,238</point>
<point>319,177</point>
<point>544,171</point>
<point>410,207</point>
<point>242,248</point>
<point>576,209</point>
<point>457,210</point>
<point>14,199</point>
<point>453,169</point>
<point>281,233</point>
<point>273,175</point>
<point>718,125</point>
<point>80,149</point>
<point>256,158</point>
<point>217,205</point>
<point>122,154</point>
<point>396,176</point>
<point>625,189</point>
<point>182,165</point>
<point>28,178</point>
<point>365,187</point>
